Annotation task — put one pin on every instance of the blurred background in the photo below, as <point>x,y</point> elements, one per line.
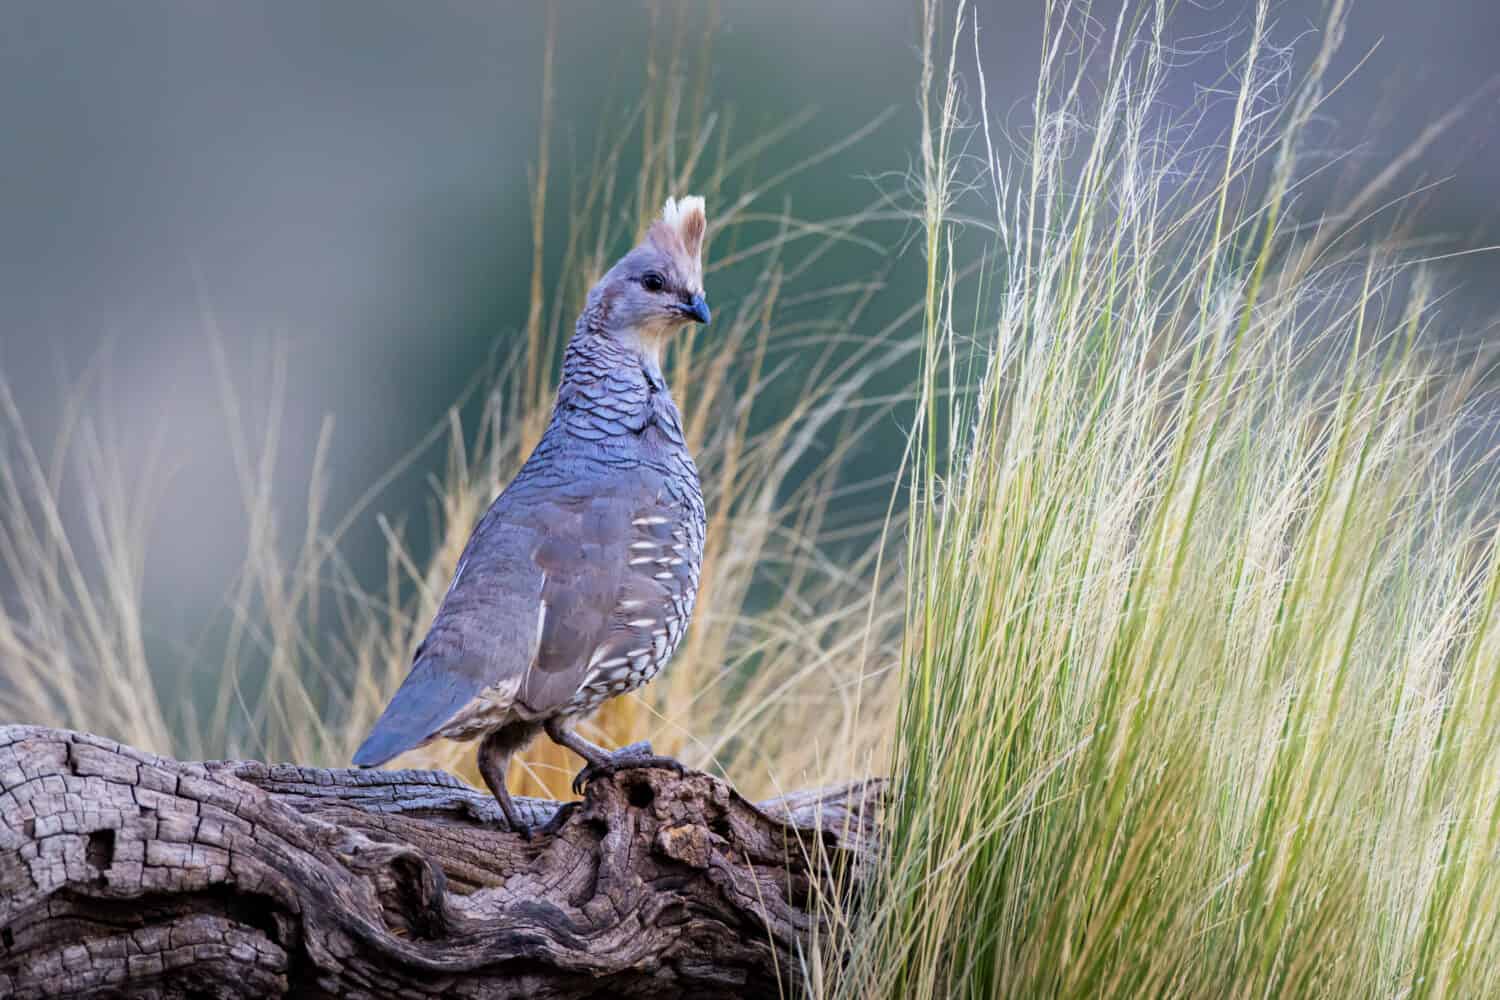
<point>346,183</point>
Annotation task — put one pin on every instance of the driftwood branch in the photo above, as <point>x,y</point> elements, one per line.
<point>127,874</point>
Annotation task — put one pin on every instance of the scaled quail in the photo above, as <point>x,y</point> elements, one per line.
<point>579,581</point>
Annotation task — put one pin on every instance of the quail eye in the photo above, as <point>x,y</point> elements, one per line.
<point>653,282</point>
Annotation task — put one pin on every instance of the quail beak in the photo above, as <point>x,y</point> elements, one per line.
<point>695,309</point>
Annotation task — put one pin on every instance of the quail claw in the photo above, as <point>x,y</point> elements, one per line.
<point>623,761</point>
<point>522,830</point>
<point>558,819</point>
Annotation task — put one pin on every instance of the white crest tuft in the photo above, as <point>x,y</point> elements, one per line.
<point>687,218</point>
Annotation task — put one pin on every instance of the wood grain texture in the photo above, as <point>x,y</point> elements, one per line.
<point>127,874</point>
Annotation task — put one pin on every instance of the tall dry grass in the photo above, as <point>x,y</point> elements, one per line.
<point>1199,686</point>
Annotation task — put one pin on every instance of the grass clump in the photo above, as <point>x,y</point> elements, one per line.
<point>1198,685</point>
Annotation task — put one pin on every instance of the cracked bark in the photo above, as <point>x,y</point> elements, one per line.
<point>127,874</point>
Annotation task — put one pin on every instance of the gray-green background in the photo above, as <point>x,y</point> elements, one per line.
<point>348,179</point>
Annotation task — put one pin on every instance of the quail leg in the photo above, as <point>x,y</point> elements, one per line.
<point>494,758</point>
<point>599,761</point>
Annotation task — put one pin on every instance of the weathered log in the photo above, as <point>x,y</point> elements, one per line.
<point>127,874</point>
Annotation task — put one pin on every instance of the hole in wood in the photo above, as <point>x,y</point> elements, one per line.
<point>640,794</point>
<point>100,851</point>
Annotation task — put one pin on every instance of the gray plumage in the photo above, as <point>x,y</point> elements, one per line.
<point>578,583</point>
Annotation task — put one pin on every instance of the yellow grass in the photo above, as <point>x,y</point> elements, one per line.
<point>1199,688</point>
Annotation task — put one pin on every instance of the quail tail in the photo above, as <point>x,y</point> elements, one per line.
<point>432,694</point>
